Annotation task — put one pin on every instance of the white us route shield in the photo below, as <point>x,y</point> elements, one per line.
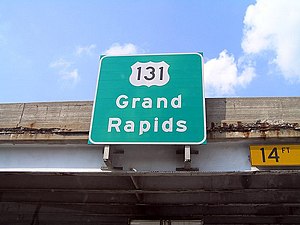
<point>149,74</point>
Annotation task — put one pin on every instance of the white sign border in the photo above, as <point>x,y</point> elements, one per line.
<point>149,143</point>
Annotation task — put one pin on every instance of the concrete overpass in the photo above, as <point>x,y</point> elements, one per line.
<point>49,175</point>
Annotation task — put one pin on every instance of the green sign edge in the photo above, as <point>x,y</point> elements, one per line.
<point>203,141</point>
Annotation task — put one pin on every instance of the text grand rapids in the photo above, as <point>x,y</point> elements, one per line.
<point>143,126</point>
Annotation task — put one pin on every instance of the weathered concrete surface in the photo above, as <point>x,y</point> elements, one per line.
<point>54,121</point>
<point>237,118</point>
<point>253,117</point>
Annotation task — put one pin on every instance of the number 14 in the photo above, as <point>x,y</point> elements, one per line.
<point>273,154</point>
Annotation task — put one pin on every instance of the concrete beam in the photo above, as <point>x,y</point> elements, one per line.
<point>227,118</point>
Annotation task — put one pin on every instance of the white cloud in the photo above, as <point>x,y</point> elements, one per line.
<point>117,49</point>
<point>274,26</point>
<point>60,63</point>
<point>85,50</point>
<point>222,75</point>
<point>65,68</point>
<point>65,71</point>
<point>71,75</point>
<point>270,27</point>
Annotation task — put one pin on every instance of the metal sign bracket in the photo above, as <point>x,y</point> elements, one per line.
<point>107,158</point>
<point>187,152</point>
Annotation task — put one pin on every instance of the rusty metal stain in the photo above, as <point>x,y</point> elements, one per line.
<point>259,126</point>
<point>27,130</point>
<point>245,128</point>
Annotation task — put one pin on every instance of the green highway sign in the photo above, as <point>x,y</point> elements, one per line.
<point>149,99</point>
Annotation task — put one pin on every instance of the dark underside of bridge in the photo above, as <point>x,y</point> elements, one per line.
<point>271,197</point>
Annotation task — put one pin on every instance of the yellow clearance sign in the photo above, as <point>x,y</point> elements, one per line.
<point>275,155</point>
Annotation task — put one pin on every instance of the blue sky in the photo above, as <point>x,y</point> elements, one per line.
<point>49,50</point>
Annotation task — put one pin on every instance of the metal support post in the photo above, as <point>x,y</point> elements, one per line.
<point>187,157</point>
<point>187,163</point>
<point>106,158</point>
